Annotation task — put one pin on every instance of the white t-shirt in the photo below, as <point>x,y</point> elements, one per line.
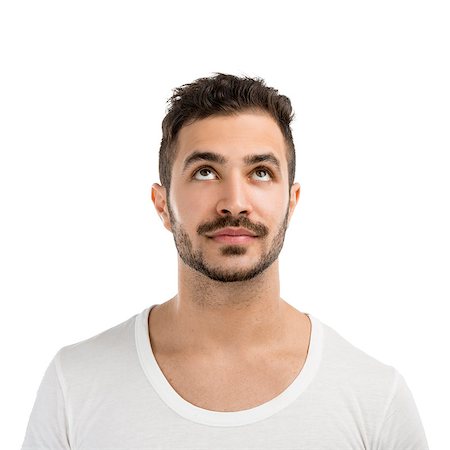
<point>108,393</point>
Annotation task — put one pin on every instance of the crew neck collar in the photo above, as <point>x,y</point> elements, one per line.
<point>229,418</point>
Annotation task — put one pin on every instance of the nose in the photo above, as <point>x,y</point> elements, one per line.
<point>234,197</point>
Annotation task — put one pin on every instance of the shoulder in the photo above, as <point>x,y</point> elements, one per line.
<point>98,353</point>
<point>354,370</point>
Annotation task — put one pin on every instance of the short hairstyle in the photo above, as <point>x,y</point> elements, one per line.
<point>222,95</point>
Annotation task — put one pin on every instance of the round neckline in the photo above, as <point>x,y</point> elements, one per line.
<point>203,416</point>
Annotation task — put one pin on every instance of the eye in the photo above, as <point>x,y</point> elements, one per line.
<point>263,169</point>
<point>257,170</point>
<point>202,169</point>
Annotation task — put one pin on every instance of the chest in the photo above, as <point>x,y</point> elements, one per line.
<point>230,385</point>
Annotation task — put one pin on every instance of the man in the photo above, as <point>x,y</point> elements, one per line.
<point>226,363</point>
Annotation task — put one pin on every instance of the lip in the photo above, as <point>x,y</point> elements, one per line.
<point>227,239</point>
<point>233,232</point>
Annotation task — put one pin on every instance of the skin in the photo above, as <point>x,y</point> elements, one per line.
<point>228,304</point>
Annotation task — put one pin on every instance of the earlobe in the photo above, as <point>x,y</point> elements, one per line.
<point>296,187</point>
<point>158,194</point>
<point>157,197</point>
<point>295,193</point>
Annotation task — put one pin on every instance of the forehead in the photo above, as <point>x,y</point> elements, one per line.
<point>232,136</point>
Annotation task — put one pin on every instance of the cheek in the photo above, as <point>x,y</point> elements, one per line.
<point>272,204</point>
<point>274,214</point>
<point>191,213</point>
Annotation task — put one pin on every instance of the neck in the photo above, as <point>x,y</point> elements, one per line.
<point>238,317</point>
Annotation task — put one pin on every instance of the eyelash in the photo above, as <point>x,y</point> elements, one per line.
<point>254,170</point>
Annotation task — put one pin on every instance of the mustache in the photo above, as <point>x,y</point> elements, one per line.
<point>224,222</point>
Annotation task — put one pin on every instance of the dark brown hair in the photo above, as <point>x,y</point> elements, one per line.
<point>225,95</point>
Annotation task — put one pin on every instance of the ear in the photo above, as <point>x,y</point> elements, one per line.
<point>293,199</point>
<point>159,199</point>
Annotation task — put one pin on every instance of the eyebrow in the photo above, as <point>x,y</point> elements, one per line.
<point>249,160</point>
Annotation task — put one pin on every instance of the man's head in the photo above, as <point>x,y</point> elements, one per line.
<point>219,136</point>
<point>223,95</point>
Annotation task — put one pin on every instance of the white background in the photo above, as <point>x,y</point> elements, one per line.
<point>83,91</point>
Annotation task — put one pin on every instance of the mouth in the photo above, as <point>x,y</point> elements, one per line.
<point>228,239</point>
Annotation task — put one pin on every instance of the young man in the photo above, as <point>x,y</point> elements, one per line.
<point>226,363</point>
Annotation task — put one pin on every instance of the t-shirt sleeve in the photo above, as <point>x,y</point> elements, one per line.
<point>47,425</point>
<point>402,428</point>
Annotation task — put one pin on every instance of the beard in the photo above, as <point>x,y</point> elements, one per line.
<point>195,259</point>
